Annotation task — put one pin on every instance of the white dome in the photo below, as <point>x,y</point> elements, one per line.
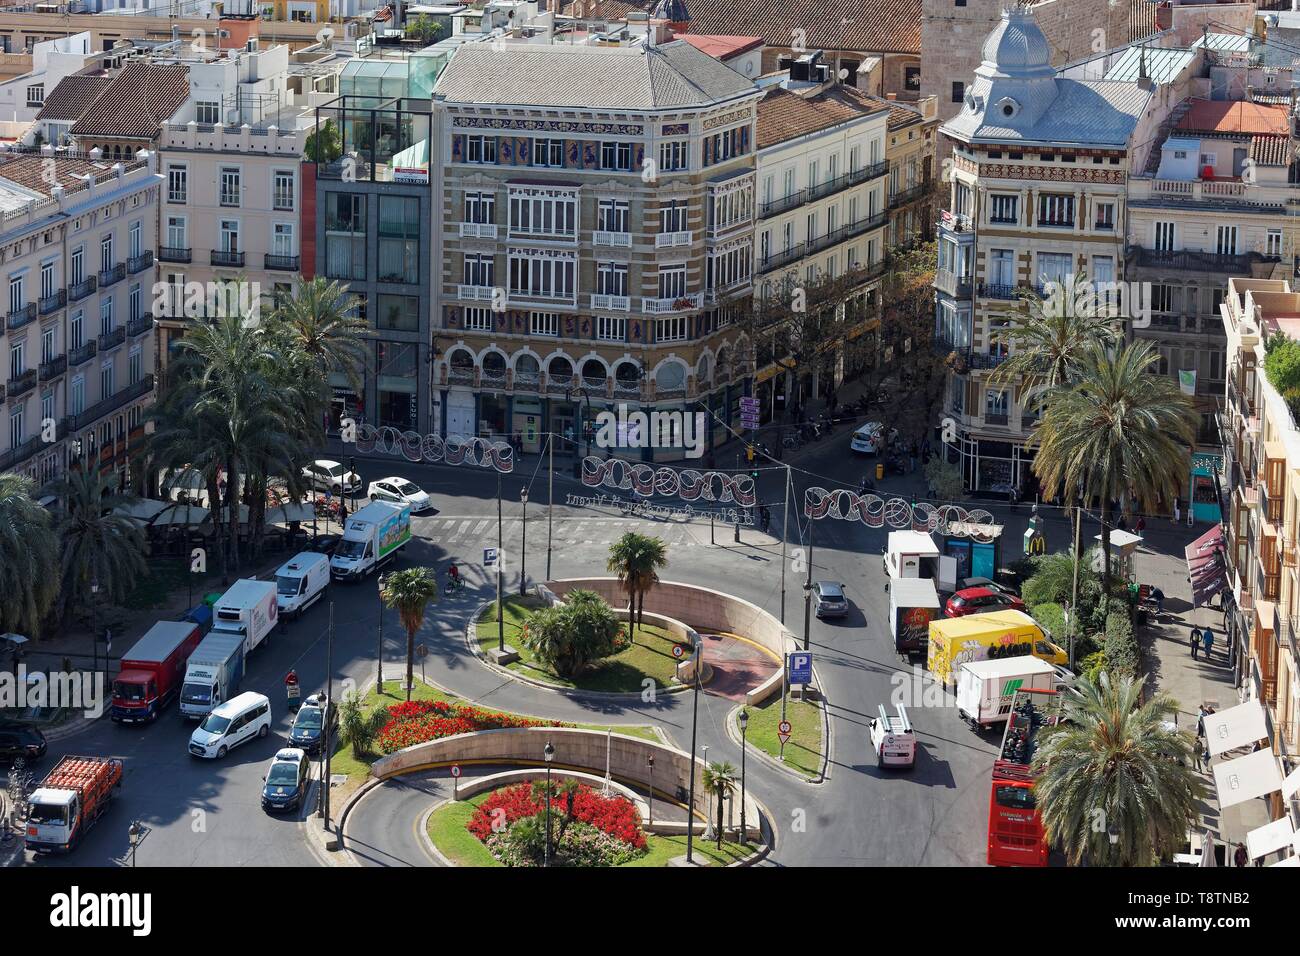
<point>1017,46</point>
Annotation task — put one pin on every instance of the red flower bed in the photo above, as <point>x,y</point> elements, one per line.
<point>419,721</point>
<point>613,815</point>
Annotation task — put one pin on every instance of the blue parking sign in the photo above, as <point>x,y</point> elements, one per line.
<point>800,668</point>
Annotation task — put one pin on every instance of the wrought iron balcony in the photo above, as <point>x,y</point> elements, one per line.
<point>110,404</point>
<point>20,317</point>
<point>53,368</point>
<point>174,253</point>
<point>905,196</point>
<point>52,303</point>
<point>227,259</point>
<point>82,353</point>
<point>139,326</point>
<point>951,284</point>
<point>139,263</point>
<point>993,290</point>
<point>112,338</point>
<point>79,290</point>
<point>111,275</point>
<point>1186,260</point>
<point>22,384</point>
<point>281,263</point>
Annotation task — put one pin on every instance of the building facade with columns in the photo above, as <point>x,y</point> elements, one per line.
<point>1037,193</point>
<point>596,213</point>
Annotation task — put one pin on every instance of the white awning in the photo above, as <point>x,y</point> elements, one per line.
<point>179,514</point>
<point>1238,726</point>
<point>1245,778</point>
<point>1291,785</point>
<point>1289,861</point>
<point>142,509</point>
<point>294,511</point>
<point>1272,836</point>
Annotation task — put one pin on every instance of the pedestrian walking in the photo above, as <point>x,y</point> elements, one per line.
<point>1205,756</point>
<point>1202,713</point>
<point>1158,596</point>
<point>1241,857</point>
<point>1207,636</point>
<point>1122,524</point>
<point>1141,525</point>
<point>1195,641</point>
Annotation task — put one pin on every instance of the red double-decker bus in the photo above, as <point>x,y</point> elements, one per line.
<point>1016,835</point>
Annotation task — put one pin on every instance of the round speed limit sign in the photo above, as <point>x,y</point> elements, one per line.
<point>455,770</point>
<point>783,727</point>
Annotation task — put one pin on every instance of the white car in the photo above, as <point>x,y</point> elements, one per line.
<point>869,438</point>
<point>401,491</point>
<point>332,477</point>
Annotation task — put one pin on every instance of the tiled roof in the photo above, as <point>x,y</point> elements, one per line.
<point>783,115</point>
<point>1270,150</point>
<point>900,116</point>
<point>1235,116</point>
<point>72,96</point>
<point>867,26</point>
<point>32,171</point>
<point>139,98</point>
<point>672,75</point>
<point>722,47</point>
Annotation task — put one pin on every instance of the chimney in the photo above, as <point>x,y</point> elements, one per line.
<point>891,96</point>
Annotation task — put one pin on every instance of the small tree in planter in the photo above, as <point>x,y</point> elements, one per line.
<point>410,592</point>
<point>570,637</point>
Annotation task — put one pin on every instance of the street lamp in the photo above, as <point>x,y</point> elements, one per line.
<point>807,607</point>
<point>134,834</point>
<point>94,629</point>
<point>695,719</point>
<point>379,653</point>
<point>650,762</point>
<point>523,547</point>
<point>549,754</point>
<point>744,724</point>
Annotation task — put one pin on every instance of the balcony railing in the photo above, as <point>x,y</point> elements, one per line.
<point>228,259</point>
<point>994,290</point>
<point>460,375</point>
<point>174,253</point>
<point>280,263</point>
<point>905,196</point>
<point>23,384</point>
<point>475,293</point>
<point>478,230</point>
<point>952,284</point>
<point>79,290</point>
<point>610,303</point>
<point>20,317</point>
<point>671,240</point>
<point>1186,260</point>
<point>681,303</point>
<point>52,303</point>
<point>82,353</point>
<point>775,206</point>
<point>112,338</point>
<point>28,449</point>
<point>53,368</point>
<point>140,325</point>
<point>110,404</point>
<point>995,418</point>
<point>603,237</point>
<point>139,263</point>
<point>111,275</point>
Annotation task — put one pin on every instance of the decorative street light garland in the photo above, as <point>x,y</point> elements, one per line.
<point>901,513</point>
<point>452,450</point>
<point>687,484</point>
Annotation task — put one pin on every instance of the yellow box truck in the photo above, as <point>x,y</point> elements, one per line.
<point>979,637</point>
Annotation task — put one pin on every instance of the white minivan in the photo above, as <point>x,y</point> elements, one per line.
<point>237,721</point>
<point>300,583</point>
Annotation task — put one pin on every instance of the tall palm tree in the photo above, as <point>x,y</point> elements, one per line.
<point>636,559</point>
<point>100,547</point>
<point>721,780</point>
<point>321,317</point>
<point>410,592</point>
<point>1047,338</point>
<point>1114,784</point>
<point>29,557</point>
<point>1118,428</point>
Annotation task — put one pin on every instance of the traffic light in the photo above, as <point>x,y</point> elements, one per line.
<point>753,473</point>
<point>749,453</point>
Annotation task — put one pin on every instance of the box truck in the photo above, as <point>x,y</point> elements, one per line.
<point>213,673</point>
<point>69,801</point>
<point>976,637</point>
<point>300,582</point>
<point>247,609</point>
<point>372,538</point>
<point>153,670</point>
<point>986,689</point>
<point>913,604</point>
<point>913,554</point>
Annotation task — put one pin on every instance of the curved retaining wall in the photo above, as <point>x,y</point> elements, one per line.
<point>704,610</point>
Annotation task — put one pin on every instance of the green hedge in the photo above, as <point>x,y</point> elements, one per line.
<point>1120,647</point>
<point>1051,618</point>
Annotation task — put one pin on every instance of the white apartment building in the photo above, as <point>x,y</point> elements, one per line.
<point>76,241</point>
<point>822,215</point>
<point>230,156</point>
<point>22,97</point>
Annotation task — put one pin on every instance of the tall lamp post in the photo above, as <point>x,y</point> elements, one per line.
<point>501,623</point>
<point>379,651</point>
<point>695,719</point>
<point>744,724</point>
<point>807,590</point>
<point>549,754</point>
<point>523,547</point>
<point>650,762</point>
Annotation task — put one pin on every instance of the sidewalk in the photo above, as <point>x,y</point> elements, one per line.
<point>1191,682</point>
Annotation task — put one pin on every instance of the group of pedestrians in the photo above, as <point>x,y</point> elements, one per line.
<point>1201,639</point>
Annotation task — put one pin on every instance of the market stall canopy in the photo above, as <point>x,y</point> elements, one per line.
<point>1206,566</point>
<point>294,511</point>
<point>142,509</point>
<point>180,514</point>
<point>1246,778</point>
<point>1272,836</point>
<point>243,514</point>
<point>1239,726</point>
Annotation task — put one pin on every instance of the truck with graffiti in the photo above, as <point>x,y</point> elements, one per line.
<point>996,635</point>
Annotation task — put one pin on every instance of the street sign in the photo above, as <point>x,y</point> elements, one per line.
<point>489,557</point>
<point>421,650</point>
<point>800,668</point>
<point>783,730</point>
<point>678,651</point>
<point>455,770</point>
<point>749,403</point>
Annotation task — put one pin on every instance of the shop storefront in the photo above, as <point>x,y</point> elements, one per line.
<point>492,417</point>
<point>396,384</point>
<point>1203,492</point>
<point>461,416</point>
<point>526,421</point>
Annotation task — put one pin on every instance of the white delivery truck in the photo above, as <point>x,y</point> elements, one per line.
<point>300,582</point>
<point>249,610</point>
<point>213,673</point>
<point>372,538</point>
<point>913,554</point>
<point>893,739</point>
<point>986,689</point>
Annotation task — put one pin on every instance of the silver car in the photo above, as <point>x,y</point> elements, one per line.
<point>831,601</point>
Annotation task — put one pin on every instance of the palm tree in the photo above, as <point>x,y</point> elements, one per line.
<point>1118,428</point>
<point>1047,338</point>
<point>410,592</point>
<point>636,559</point>
<point>1114,783</point>
<point>358,729</point>
<point>322,319</point>
<point>100,547</point>
<point>720,779</point>
<point>29,557</point>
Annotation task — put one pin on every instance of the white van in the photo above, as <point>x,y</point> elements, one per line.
<point>300,583</point>
<point>236,721</point>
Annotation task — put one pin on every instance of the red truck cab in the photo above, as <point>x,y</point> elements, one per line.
<point>153,671</point>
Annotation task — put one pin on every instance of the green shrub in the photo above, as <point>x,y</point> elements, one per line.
<point>1051,618</point>
<point>1120,647</point>
<point>1093,665</point>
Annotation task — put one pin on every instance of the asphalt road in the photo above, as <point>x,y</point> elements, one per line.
<point>208,813</point>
